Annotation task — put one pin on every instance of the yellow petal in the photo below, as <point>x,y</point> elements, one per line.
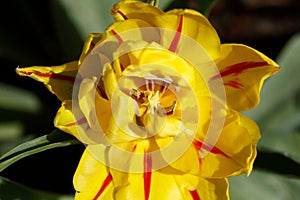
<point>134,10</point>
<point>192,26</point>
<point>58,79</point>
<point>243,71</point>
<point>168,184</point>
<point>88,99</point>
<point>213,189</point>
<point>187,22</point>
<point>71,120</point>
<point>89,44</point>
<point>92,179</point>
<point>235,150</point>
<point>66,121</point>
<point>131,30</point>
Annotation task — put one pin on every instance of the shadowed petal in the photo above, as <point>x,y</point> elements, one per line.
<point>58,79</point>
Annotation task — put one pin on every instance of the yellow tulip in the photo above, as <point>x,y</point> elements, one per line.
<point>157,100</point>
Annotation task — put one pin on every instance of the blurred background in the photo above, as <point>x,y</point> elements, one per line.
<point>52,32</point>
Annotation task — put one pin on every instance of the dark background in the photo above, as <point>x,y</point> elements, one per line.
<point>32,34</point>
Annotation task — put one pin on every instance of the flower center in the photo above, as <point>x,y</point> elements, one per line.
<point>147,101</point>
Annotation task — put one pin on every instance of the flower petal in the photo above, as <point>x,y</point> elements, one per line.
<point>88,99</point>
<point>213,189</point>
<point>134,10</point>
<point>89,44</point>
<point>66,121</point>
<point>194,26</point>
<point>92,179</point>
<point>235,150</point>
<point>243,71</point>
<point>186,22</point>
<point>132,30</point>
<point>58,79</point>
<point>169,184</point>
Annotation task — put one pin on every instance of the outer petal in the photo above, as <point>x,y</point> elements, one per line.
<point>186,22</point>
<point>134,10</point>
<point>89,44</point>
<point>235,150</point>
<point>66,121</point>
<point>243,71</point>
<point>213,189</point>
<point>173,186</point>
<point>192,24</point>
<point>92,179</point>
<point>132,30</point>
<point>75,124</point>
<point>168,184</point>
<point>58,79</point>
<point>88,100</point>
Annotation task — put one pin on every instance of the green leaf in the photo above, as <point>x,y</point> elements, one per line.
<point>265,186</point>
<point>89,16</point>
<point>205,6</point>
<point>14,98</point>
<point>55,139</point>
<point>176,4</point>
<point>277,163</point>
<point>12,190</point>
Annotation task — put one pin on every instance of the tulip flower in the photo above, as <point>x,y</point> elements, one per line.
<point>157,98</point>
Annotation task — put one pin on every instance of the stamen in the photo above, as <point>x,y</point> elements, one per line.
<point>137,95</point>
<point>152,85</point>
<point>164,87</point>
<point>147,84</point>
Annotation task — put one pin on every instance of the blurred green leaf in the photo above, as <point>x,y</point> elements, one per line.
<point>265,186</point>
<point>93,16</point>
<point>177,4</point>
<point>55,139</point>
<point>205,6</point>
<point>14,98</point>
<point>11,190</point>
<point>164,4</point>
<point>10,130</point>
<point>277,163</point>
<point>89,16</point>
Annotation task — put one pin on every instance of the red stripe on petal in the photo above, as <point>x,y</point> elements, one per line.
<point>93,44</point>
<point>176,38</point>
<point>239,68</point>
<point>50,75</point>
<point>117,36</point>
<point>122,14</point>
<point>79,122</point>
<point>134,148</point>
<point>194,194</point>
<point>199,145</point>
<point>234,84</point>
<point>122,67</point>
<point>147,175</point>
<point>104,185</point>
